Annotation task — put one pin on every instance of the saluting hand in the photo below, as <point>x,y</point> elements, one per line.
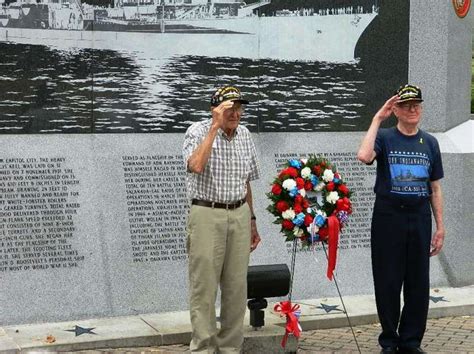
<point>387,109</point>
<point>218,113</point>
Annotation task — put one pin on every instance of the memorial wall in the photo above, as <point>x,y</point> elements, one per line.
<point>155,189</point>
<point>39,202</point>
<point>93,198</point>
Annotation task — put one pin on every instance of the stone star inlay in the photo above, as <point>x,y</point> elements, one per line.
<point>78,330</point>
<point>437,299</point>
<point>329,308</point>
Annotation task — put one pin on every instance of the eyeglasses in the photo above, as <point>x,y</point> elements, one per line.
<point>236,108</point>
<point>409,106</point>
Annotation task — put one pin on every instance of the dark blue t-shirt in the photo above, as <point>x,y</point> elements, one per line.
<point>406,164</point>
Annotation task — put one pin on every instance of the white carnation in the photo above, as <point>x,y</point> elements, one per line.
<point>303,192</point>
<point>319,187</point>
<point>304,161</point>
<point>332,197</point>
<point>288,214</point>
<point>306,173</point>
<point>328,175</point>
<point>289,184</point>
<point>297,231</point>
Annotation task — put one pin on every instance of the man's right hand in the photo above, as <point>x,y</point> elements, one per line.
<point>387,109</point>
<point>218,114</point>
<point>366,152</point>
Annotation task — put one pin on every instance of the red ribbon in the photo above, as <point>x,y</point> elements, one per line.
<point>333,239</point>
<point>292,325</point>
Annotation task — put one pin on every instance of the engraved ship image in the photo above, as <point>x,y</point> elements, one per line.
<point>165,28</point>
<point>125,15</point>
<point>408,176</point>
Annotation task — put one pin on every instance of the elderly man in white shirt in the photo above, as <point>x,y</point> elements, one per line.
<point>221,161</point>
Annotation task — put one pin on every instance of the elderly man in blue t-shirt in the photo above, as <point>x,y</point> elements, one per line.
<point>408,189</point>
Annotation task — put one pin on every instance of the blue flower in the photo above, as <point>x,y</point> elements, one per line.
<point>314,180</point>
<point>319,220</point>
<point>295,164</point>
<point>293,192</point>
<point>336,180</point>
<point>299,219</point>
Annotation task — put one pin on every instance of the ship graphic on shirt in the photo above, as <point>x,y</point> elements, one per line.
<point>409,176</point>
<point>409,173</point>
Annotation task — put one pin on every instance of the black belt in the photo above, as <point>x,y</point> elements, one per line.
<point>208,204</point>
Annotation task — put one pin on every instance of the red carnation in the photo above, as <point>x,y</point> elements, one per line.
<point>323,164</point>
<point>343,204</point>
<point>308,185</point>
<point>323,233</point>
<point>337,175</point>
<point>293,172</point>
<point>287,224</point>
<point>343,189</point>
<point>299,199</point>
<point>317,170</point>
<point>340,204</point>
<point>290,171</point>
<point>330,186</point>
<point>276,189</point>
<point>348,203</point>
<point>305,204</point>
<point>299,183</point>
<point>298,208</point>
<point>308,219</point>
<point>284,172</point>
<point>281,206</point>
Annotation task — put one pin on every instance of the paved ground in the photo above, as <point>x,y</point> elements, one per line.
<point>452,332</point>
<point>448,335</point>
<point>443,335</point>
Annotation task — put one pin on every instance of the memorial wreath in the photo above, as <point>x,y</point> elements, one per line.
<point>311,202</point>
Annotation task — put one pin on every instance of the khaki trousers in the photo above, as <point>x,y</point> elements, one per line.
<point>219,250</point>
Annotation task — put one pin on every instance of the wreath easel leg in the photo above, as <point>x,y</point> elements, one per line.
<point>334,277</point>
<point>292,312</point>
